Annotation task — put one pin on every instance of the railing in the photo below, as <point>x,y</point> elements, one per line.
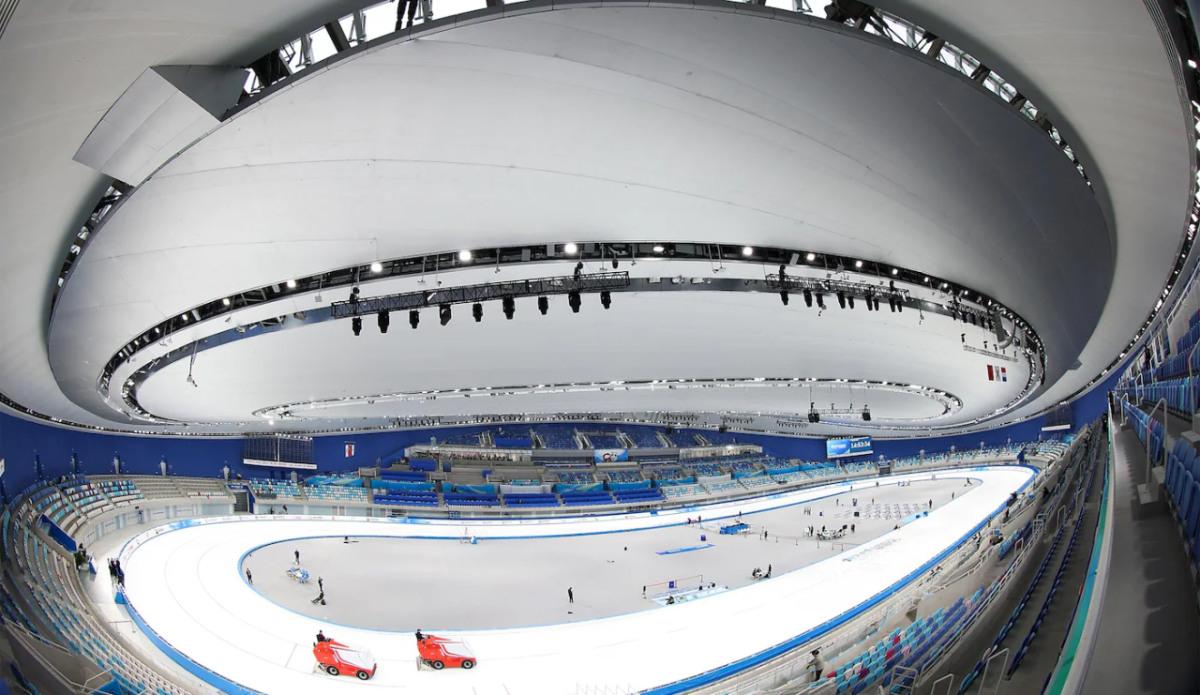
<point>1076,650</point>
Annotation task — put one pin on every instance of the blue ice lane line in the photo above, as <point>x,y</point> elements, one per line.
<point>685,550</point>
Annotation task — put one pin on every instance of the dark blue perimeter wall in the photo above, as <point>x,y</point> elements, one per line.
<point>22,442</point>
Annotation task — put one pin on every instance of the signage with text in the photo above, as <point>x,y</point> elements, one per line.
<point>851,446</point>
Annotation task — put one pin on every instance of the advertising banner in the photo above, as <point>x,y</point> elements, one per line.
<point>610,455</point>
<point>851,446</point>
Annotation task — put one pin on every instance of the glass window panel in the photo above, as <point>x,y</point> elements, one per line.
<point>322,45</point>
<point>380,20</point>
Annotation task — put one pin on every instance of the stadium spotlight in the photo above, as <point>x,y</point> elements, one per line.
<point>573,300</point>
<point>841,299</point>
<point>464,255</point>
<point>821,300</point>
<point>376,267</point>
<point>444,313</point>
<point>892,303</point>
<point>807,297</point>
<point>866,414</point>
<point>414,318</point>
<point>747,250</point>
<point>811,257</point>
<point>510,307</point>
<point>783,296</point>
<point>813,415</point>
<point>875,300</point>
<point>570,248</point>
<point>356,325</point>
<point>384,320</point>
<point>477,311</point>
<point>605,299</point>
<point>850,301</point>
<point>543,305</point>
<point>900,304</point>
<point>870,304</point>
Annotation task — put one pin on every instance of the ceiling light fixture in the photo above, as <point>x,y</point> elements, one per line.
<point>376,267</point>
<point>658,248</point>
<point>464,255</point>
<point>747,251</point>
<point>570,248</point>
<point>857,264</point>
<point>226,301</point>
<point>291,284</point>
<point>811,256</point>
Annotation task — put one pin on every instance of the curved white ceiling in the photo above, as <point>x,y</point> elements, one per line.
<point>839,148</point>
<point>604,124</point>
<point>1100,70</point>
<point>643,337</point>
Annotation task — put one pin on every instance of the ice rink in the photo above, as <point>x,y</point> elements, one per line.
<point>520,583</point>
<point>186,586</point>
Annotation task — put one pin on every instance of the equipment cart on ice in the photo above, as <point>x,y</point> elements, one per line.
<point>439,652</point>
<point>336,658</point>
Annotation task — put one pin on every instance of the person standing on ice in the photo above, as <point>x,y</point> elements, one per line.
<point>570,595</point>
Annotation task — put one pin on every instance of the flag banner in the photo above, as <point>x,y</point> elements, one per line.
<point>349,449</point>
<point>991,375</point>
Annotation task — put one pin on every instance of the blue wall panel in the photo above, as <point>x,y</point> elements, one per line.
<point>21,440</point>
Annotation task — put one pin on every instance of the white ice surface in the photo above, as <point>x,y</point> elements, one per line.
<point>186,585</point>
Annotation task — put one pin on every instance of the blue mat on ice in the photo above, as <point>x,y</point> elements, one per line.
<point>685,550</point>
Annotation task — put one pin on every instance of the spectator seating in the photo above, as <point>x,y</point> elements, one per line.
<point>683,439</point>
<point>49,603</point>
<point>793,477</point>
<point>643,437</point>
<point>666,473</point>
<point>705,470</point>
<point>742,466</point>
<point>576,477</point>
<point>410,476</point>
<point>757,482</point>
<point>1182,395</point>
<point>469,499</point>
<point>644,495</point>
<point>672,492</point>
<point>465,439</point>
<point>625,475</point>
<point>719,438</point>
<point>531,500</point>
<point>605,441</point>
<point>411,499</point>
<point>557,436</point>
<point>275,489</point>
<point>581,499</point>
<point>336,493</point>
<point>722,487</point>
